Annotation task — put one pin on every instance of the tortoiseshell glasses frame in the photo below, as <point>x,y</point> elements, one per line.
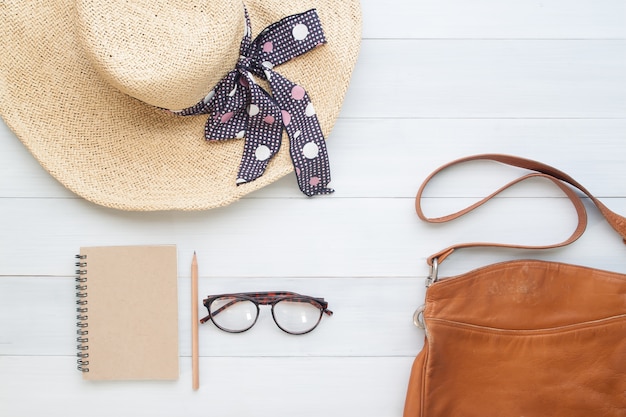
<point>298,314</point>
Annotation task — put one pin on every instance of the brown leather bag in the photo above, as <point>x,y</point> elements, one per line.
<point>522,338</point>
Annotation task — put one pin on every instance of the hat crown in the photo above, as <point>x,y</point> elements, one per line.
<point>168,54</point>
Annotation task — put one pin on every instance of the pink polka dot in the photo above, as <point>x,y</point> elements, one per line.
<point>314,181</point>
<point>297,92</point>
<point>269,119</point>
<point>226,117</point>
<point>297,171</point>
<point>286,117</point>
<point>268,46</point>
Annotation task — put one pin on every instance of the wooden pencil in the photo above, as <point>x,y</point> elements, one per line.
<point>194,323</point>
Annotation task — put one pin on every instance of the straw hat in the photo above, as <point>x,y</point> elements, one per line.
<point>83,84</point>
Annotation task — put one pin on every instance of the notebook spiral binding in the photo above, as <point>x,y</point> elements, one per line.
<point>81,314</point>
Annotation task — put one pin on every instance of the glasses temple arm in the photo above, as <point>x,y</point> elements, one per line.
<point>324,305</point>
<point>260,297</point>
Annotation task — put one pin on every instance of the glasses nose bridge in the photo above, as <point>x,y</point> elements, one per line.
<point>260,314</point>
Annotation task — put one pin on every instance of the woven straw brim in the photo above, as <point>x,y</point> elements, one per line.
<point>119,152</point>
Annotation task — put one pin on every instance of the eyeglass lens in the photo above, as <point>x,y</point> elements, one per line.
<point>296,316</point>
<point>236,314</point>
<point>233,314</point>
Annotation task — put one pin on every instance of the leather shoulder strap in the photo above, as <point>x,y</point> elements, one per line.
<point>559,178</point>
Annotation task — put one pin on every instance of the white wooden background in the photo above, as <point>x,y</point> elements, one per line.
<point>436,80</point>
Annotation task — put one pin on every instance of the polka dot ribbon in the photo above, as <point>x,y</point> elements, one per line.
<point>240,108</point>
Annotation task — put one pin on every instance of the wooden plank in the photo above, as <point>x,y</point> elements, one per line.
<point>489,79</point>
<point>390,157</point>
<point>336,238</point>
<point>494,19</point>
<point>372,316</point>
<point>308,387</point>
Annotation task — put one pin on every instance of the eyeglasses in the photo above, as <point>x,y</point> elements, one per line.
<point>293,313</point>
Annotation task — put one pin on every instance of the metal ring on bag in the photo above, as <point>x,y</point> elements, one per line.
<point>418,317</point>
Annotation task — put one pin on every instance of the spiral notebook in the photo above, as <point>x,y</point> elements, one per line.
<point>127,312</point>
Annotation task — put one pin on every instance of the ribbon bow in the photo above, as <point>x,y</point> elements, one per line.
<point>240,108</point>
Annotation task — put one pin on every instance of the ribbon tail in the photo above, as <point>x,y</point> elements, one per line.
<point>312,170</point>
<point>263,135</point>
<point>307,145</point>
